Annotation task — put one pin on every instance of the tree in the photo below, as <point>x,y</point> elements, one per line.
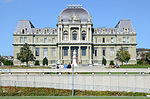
<point>104,61</point>
<point>25,54</point>
<point>147,57</point>
<point>122,55</point>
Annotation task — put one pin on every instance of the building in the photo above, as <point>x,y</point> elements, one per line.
<point>75,32</point>
<point>141,53</point>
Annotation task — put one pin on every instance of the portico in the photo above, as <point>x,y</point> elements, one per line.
<point>65,54</point>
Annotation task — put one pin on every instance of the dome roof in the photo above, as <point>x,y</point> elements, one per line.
<point>75,11</point>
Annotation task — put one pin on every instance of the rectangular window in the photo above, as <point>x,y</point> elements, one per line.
<point>83,51</point>
<point>103,40</point>
<point>45,52</point>
<point>95,51</point>
<point>112,51</point>
<point>65,51</point>
<point>37,51</point>
<point>95,39</point>
<point>21,40</point>
<point>45,40</point>
<point>53,52</point>
<point>103,51</point>
<point>37,40</point>
<point>53,40</point>
<point>95,61</point>
<point>112,40</point>
<point>25,39</point>
<point>53,62</point>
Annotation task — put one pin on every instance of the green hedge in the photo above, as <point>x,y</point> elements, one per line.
<point>28,91</point>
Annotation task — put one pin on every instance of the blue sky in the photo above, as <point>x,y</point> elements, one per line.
<point>44,13</point>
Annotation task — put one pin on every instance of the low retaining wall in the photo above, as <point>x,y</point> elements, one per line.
<point>97,82</point>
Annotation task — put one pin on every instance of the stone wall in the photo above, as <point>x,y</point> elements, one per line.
<point>97,82</point>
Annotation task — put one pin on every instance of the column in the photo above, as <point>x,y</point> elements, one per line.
<point>61,54</point>
<point>61,34</point>
<point>90,62</point>
<point>88,52</point>
<point>58,55</point>
<point>58,32</point>
<point>79,33</point>
<point>90,34</point>
<point>87,34</point>
<point>79,53</point>
<point>69,54</point>
<point>69,34</point>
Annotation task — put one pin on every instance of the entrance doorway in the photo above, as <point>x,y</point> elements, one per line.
<point>72,49</point>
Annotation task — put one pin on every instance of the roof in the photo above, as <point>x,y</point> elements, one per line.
<point>75,11</point>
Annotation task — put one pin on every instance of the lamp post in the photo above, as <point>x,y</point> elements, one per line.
<point>72,79</point>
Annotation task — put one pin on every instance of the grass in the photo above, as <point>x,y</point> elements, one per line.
<point>135,66</point>
<point>24,67</point>
<point>74,98</point>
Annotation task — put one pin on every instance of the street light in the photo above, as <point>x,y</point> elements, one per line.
<point>72,79</point>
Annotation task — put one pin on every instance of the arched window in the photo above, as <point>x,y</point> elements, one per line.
<point>83,35</point>
<point>74,35</point>
<point>65,35</point>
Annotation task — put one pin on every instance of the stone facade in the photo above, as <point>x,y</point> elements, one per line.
<point>75,32</point>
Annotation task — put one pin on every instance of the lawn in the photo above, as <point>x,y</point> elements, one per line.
<point>135,66</point>
<point>74,98</point>
<point>24,67</point>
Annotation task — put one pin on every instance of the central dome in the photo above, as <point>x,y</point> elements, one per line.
<point>76,10</point>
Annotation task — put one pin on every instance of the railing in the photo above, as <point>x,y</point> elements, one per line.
<point>76,70</point>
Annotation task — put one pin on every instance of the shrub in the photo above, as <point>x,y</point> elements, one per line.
<point>45,61</point>
<point>8,62</point>
<point>29,91</point>
<point>111,63</point>
<point>140,62</point>
<point>37,62</point>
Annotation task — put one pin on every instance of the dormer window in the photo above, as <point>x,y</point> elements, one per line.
<point>53,31</point>
<point>125,29</point>
<point>83,35</point>
<point>23,31</point>
<point>37,32</point>
<point>45,32</point>
<point>112,31</point>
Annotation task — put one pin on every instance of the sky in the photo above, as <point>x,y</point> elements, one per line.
<point>44,13</point>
